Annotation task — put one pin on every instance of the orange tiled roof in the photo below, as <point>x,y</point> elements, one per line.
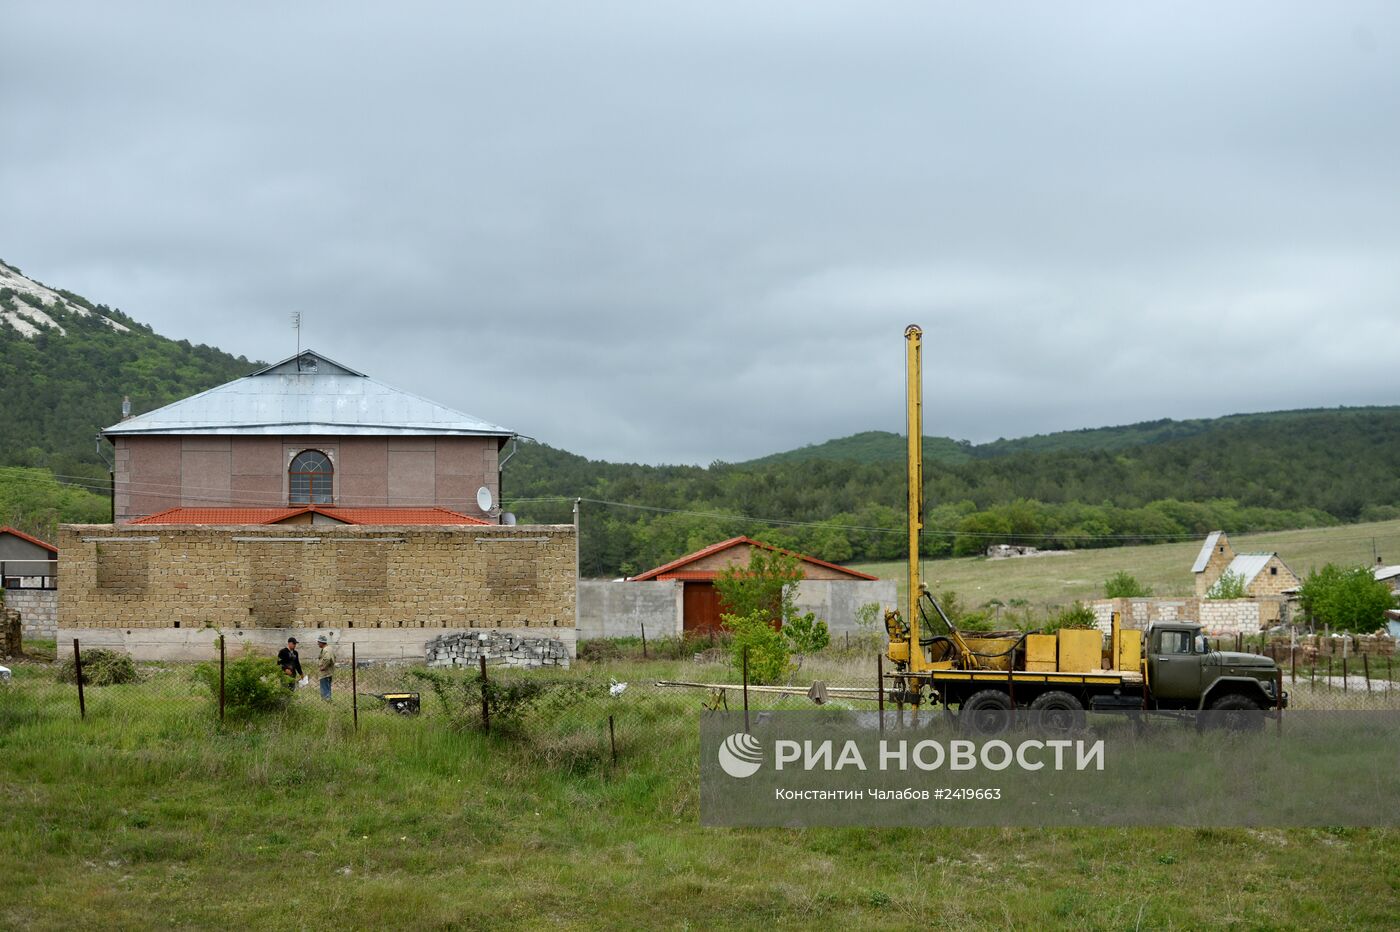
<point>674,569</point>
<point>242,516</point>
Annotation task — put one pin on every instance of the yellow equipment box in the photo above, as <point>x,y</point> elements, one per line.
<point>1129,650</point>
<point>1040,653</point>
<point>1081,649</point>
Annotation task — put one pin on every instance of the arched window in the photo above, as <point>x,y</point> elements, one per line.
<point>310,476</point>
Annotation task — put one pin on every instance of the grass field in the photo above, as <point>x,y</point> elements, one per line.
<point>148,813</point>
<point>1061,579</point>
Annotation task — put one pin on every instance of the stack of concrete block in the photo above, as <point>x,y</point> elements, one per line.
<point>10,645</point>
<point>500,648</point>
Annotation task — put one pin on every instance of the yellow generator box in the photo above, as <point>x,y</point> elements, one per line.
<point>1040,653</point>
<point>1081,650</point>
<point>1129,650</point>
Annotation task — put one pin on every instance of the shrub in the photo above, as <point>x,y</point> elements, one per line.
<point>509,700</point>
<point>252,685</point>
<point>1077,615</point>
<point>769,656</point>
<point>101,667</point>
<point>1229,586</point>
<point>1124,585</point>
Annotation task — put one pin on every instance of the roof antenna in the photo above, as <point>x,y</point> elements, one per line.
<point>296,325</point>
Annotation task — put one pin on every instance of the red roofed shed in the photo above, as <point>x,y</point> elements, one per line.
<point>697,571</point>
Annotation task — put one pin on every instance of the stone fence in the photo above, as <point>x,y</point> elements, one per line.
<point>163,592</point>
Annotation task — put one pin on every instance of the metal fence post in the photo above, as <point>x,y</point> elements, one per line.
<point>485,707</point>
<point>880,687</point>
<point>354,689</point>
<point>644,642</point>
<point>746,688</point>
<point>78,670</point>
<point>1366,667</point>
<point>612,740</point>
<point>221,677</point>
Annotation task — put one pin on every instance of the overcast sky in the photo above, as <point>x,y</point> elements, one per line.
<point>672,232</point>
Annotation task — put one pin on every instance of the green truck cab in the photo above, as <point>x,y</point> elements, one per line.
<point>1183,672</point>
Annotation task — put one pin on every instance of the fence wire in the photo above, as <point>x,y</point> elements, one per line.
<point>606,706</point>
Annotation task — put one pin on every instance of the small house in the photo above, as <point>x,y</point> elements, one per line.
<point>1264,574</point>
<point>697,571</point>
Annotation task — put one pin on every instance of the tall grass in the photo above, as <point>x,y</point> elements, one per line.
<point>150,812</point>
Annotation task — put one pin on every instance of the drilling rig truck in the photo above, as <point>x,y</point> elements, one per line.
<point>1168,667</point>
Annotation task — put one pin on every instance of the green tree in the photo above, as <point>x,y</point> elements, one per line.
<point>806,634</point>
<point>1124,585</point>
<point>765,587</point>
<point>1346,598</point>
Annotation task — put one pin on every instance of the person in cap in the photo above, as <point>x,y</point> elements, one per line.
<point>325,665</point>
<point>290,662</point>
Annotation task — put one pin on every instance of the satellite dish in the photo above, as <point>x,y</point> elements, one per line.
<point>483,499</point>
<point>508,519</point>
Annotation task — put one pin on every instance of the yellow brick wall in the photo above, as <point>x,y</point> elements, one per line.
<point>1220,557</point>
<point>1270,583</point>
<point>323,577</point>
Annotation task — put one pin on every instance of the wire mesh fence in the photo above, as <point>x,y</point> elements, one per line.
<point>607,705</point>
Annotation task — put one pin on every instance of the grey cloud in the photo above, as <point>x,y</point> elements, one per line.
<point>667,232</point>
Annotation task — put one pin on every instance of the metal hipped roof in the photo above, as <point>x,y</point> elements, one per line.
<point>306,394</point>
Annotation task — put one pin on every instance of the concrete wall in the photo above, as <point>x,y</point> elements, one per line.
<point>202,643</point>
<point>157,473</point>
<point>164,588</point>
<point>38,610</point>
<point>1216,616</point>
<point>837,601</point>
<point>619,609</point>
<point>609,609</point>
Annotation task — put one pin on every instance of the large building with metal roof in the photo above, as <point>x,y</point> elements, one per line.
<point>307,431</point>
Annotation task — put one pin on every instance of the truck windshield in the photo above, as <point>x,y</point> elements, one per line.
<point>1175,642</point>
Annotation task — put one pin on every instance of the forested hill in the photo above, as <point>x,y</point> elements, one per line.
<point>1084,489</point>
<point>65,364</point>
<point>880,445</point>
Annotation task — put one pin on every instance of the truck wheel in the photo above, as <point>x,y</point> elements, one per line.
<point>986,713</point>
<point>1236,712</point>
<point>1058,712</point>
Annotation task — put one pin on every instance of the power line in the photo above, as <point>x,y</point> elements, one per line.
<point>170,490</point>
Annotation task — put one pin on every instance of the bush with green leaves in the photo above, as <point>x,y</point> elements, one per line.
<point>101,667</point>
<point>510,699</point>
<point>1230,585</point>
<point>769,654</point>
<point>1124,585</point>
<point>1077,615</point>
<point>1346,598</point>
<point>253,685</point>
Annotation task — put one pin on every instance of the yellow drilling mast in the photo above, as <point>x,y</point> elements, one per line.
<point>914,415</point>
